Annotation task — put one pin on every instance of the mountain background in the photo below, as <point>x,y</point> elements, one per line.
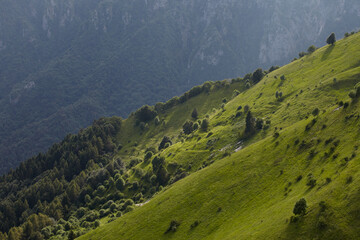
<point>65,63</point>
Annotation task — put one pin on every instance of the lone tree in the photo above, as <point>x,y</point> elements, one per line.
<point>331,39</point>
<point>194,114</point>
<point>300,207</point>
<point>249,124</point>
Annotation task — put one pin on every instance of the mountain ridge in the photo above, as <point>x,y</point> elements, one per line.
<point>111,57</point>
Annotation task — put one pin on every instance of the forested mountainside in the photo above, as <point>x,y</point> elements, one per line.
<point>65,63</point>
<point>271,155</point>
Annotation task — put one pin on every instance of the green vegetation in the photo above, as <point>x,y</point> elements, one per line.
<point>95,176</point>
<point>251,193</point>
<point>331,39</point>
<point>236,176</point>
<point>65,63</point>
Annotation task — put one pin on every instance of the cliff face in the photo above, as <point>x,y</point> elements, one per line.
<point>294,25</point>
<point>66,62</point>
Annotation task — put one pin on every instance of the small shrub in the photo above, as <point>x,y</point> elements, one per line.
<point>282,77</point>
<point>194,224</point>
<point>322,206</point>
<point>302,54</point>
<point>273,68</point>
<point>311,49</point>
<point>294,219</point>
<point>300,207</point>
<point>236,93</point>
<point>336,143</point>
<point>173,226</point>
<point>311,181</point>
<point>97,223</point>
<point>259,124</point>
<point>349,180</point>
<point>157,121</point>
<point>148,155</point>
<point>246,108</point>
<point>129,209</point>
<point>298,179</point>
<point>205,125</point>
<point>188,127</point>
<point>321,224</point>
<point>352,94</point>
<point>164,141</point>
<point>315,112</point>
<point>310,125</point>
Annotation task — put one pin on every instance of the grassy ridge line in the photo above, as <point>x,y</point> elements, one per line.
<point>254,177</point>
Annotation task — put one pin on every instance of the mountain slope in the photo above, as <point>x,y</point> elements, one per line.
<point>251,193</point>
<point>78,179</point>
<point>65,63</point>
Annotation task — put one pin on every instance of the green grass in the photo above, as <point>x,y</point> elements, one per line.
<point>251,193</point>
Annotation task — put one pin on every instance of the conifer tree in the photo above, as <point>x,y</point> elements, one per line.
<point>194,114</point>
<point>249,124</point>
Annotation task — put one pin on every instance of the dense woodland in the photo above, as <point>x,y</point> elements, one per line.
<point>67,190</point>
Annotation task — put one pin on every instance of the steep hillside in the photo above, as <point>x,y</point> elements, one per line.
<point>76,182</point>
<point>308,149</point>
<point>65,63</point>
<point>226,160</point>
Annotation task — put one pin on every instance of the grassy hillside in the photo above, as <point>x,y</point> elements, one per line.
<point>65,63</point>
<point>250,193</point>
<point>77,181</point>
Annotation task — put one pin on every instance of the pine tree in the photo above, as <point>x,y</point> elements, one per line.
<point>194,114</point>
<point>249,124</point>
